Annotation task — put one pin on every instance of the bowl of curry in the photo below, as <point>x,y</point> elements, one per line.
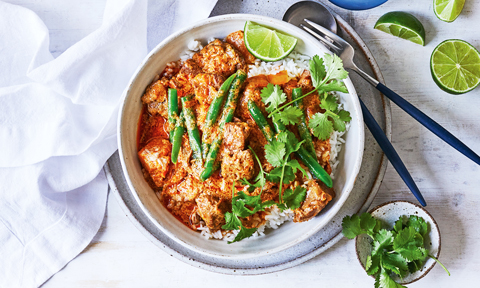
<point>177,195</point>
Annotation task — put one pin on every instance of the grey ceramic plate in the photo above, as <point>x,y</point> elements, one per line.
<point>366,186</point>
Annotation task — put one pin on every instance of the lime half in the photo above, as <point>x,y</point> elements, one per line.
<point>267,44</point>
<point>448,10</point>
<point>403,25</point>
<point>455,66</point>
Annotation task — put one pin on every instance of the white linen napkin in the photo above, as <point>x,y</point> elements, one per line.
<point>58,128</point>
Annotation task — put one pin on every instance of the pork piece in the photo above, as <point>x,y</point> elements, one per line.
<point>318,196</point>
<point>206,86</point>
<point>156,97</point>
<point>181,81</point>
<point>220,58</point>
<point>182,210</point>
<point>212,210</point>
<point>238,165</point>
<point>253,88</point>
<point>322,149</point>
<point>186,190</point>
<point>311,102</point>
<point>182,168</point>
<point>155,158</point>
<point>236,40</point>
<point>235,135</point>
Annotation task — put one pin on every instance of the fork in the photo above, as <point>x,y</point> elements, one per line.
<point>345,51</point>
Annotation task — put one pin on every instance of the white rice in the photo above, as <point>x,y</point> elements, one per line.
<point>294,64</point>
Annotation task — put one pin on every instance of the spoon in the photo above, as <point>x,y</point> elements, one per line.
<point>313,11</point>
<point>296,15</point>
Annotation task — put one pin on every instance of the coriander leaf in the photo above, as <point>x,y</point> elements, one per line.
<point>244,233</point>
<point>281,206</point>
<point>385,281</point>
<point>414,266</point>
<point>382,240</point>
<point>232,222</point>
<point>295,165</point>
<point>374,264</point>
<point>275,175</point>
<point>282,137</point>
<point>363,224</point>
<point>398,225</point>
<point>292,143</point>
<point>368,223</point>
<point>317,70</point>
<point>333,85</point>
<point>288,175</point>
<point>418,224</point>
<point>405,243</point>
<point>289,116</point>
<point>252,201</point>
<point>272,96</point>
<point>395,263</point>
<point>335,68</point>
<point>351,226</point>
<point>274,152</point>
<point>259,180</point>
<point>344,115</point>
<point>377,281</point>
<point>245,182</point>
<point>268,204</point>
<point>338,124</point>
<point>320,125</point>
<point>368,262</point>
<point>329,102</point>
<point>294,199</point>
<point>239,209</point>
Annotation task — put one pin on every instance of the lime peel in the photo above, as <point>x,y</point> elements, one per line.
<point>455,66</point>
<point>267,44</point>
<point>402,25</point>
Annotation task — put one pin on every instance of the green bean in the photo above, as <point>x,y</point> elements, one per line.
<point>227,116</point>
<point>172,111</point>
<point>177,137</point>
<point>315,168</point>
<point>302,127</point>
<point>212,114</point>
<point>192,129</point>
<point>261,121</point>
<point>309,161</point>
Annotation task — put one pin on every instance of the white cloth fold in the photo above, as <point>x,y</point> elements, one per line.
<point>58,127</point>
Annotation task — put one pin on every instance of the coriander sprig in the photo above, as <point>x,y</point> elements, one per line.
<point>323,124</point>
<point>326,75</point>
<point>398,251</point>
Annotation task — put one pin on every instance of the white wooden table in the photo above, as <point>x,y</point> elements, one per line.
<point>120,256</point>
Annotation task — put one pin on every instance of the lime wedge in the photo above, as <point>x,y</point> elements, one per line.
<point>403,25</point>
<point>455,66</point>
<point>448,10</point>
<point>267,44</point>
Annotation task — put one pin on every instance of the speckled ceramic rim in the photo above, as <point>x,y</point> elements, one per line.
<point>434,223</point>
<point>112,172</point>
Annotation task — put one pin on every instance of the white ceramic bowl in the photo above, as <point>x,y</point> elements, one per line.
<point>288,234</point>
<point>388,213</point>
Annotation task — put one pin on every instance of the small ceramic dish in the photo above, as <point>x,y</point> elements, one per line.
<point>388,213</point>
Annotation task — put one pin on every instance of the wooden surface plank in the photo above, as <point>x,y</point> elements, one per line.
<point>120,256</point>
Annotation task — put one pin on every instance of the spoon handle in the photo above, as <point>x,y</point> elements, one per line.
<point>390,152</point>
